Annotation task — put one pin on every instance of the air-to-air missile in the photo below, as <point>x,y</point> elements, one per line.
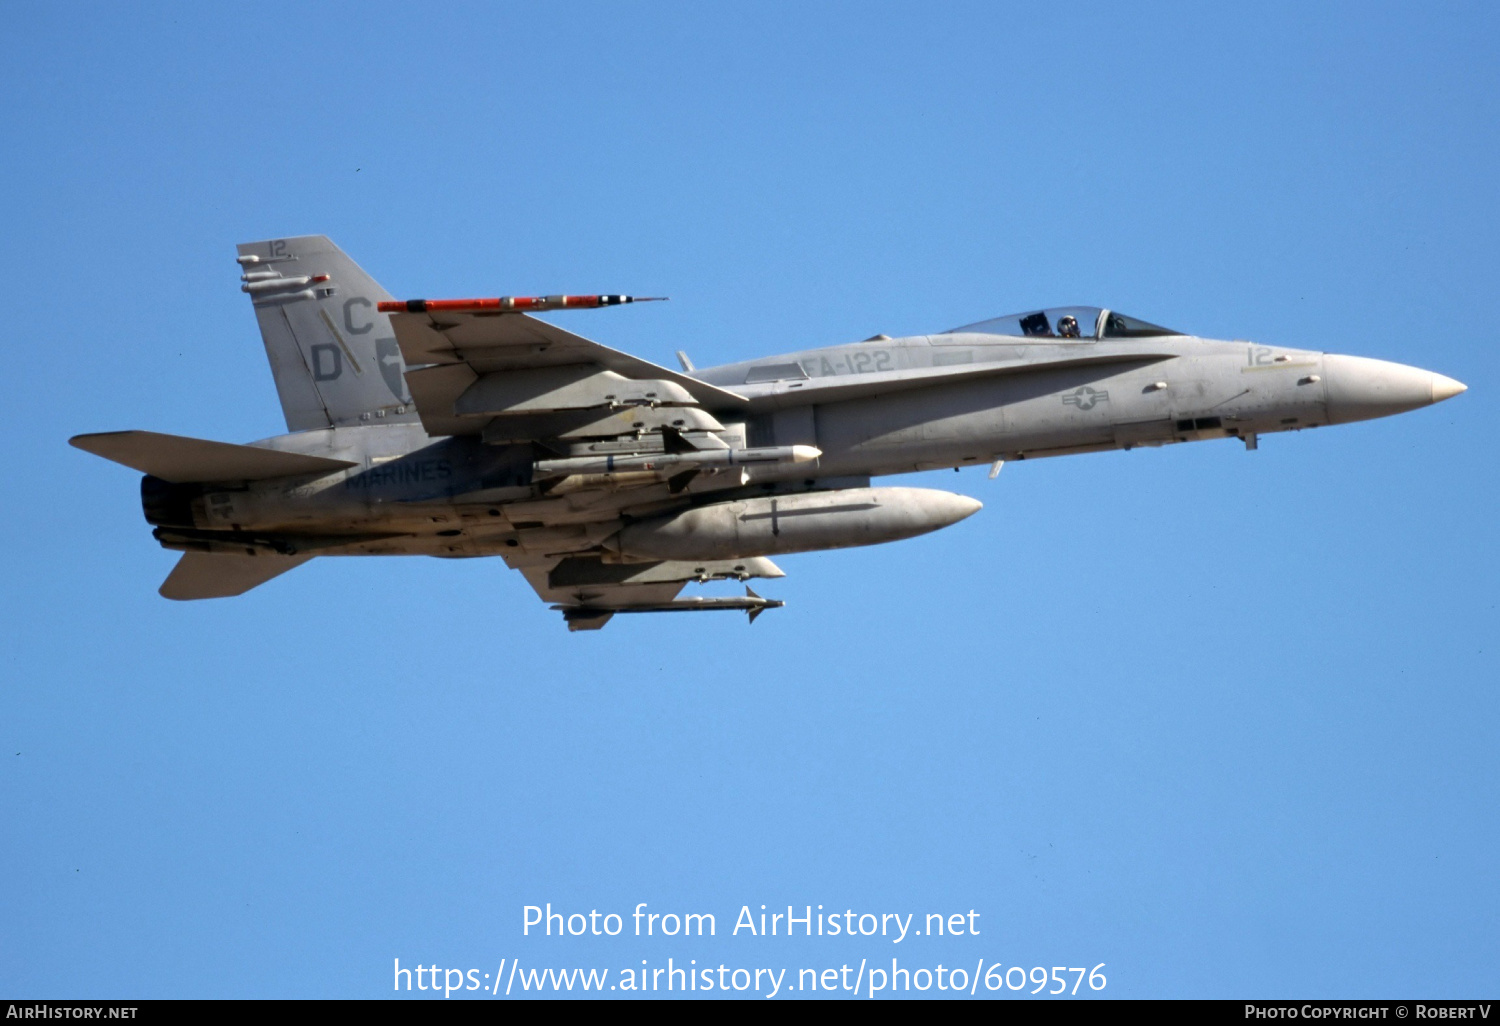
<point>751,603</point>
<point>579,473</point>
<point>510,304</point>
<point>466,427</point>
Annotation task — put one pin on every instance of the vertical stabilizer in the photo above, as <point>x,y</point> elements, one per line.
<point>332,352</point>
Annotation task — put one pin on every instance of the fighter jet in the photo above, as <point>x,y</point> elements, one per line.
<point>468,427</point>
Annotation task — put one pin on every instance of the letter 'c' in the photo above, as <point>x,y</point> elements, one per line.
<point>349,305</point>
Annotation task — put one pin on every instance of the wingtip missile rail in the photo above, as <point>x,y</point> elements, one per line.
<point>511,304</point>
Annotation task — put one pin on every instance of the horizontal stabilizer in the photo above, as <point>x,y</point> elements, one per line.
<point>180,460</point>
<point>201,575</point>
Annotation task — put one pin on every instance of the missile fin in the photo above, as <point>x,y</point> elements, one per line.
<point>674,443</point>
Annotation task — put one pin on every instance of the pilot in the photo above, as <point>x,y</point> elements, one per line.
<point>1067,327</point>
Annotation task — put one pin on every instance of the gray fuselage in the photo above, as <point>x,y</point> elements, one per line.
<point>882,407</point>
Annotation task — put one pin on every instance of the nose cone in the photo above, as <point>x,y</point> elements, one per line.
<point>1358,388</point>
<point>1444,387</point>
<point>946,508</point>
<point>961,507</point>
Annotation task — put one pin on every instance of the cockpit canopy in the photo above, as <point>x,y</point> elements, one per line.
<point>1080,322</point>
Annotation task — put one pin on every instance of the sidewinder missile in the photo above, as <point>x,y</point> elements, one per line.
<point>510,304</point>
<point>751,603</point>
<point>671,463</point>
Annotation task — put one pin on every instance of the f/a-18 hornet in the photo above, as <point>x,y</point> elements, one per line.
<point>467,427</point>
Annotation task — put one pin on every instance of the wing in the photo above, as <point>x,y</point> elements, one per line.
<point>514,380</point>
<point>470,368</point>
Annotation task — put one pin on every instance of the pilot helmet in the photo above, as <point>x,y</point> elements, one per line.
<point>1068,326</point>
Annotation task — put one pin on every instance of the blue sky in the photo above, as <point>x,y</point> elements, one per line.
<point>1223,721</point>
